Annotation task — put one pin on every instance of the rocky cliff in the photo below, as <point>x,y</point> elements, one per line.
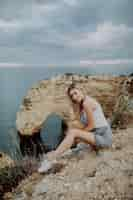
<point>82,175</point>
<point>49,96</point>
<point>85,175</point>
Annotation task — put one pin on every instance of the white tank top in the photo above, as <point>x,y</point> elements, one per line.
<point>98,115</point>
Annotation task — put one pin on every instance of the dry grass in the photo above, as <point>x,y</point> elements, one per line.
<point>10,176</point>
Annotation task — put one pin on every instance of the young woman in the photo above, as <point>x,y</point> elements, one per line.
<point>96,131</point>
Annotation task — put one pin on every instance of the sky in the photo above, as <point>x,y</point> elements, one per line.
<point>66,32</point>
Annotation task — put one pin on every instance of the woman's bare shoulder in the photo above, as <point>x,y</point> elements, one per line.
<point>90,101</point>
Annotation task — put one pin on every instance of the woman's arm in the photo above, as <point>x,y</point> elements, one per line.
<point>89,114</point>
<point>77,124</point>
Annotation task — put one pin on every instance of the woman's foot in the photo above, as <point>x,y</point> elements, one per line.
<point>81,146</point>
<point>45,166</point>
<point>48,162</point>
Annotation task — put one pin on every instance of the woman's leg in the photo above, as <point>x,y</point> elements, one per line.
<point>72,134</point>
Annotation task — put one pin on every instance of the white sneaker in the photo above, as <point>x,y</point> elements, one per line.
<point>81,146</point>
<point>45,166</point>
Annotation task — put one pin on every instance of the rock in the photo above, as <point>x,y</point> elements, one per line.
<point>40,190</point>
<point>109,176</point>
<point>5,160</point>
<point>8,196</point>
<point>49,96</point>
<point>123,110</point>
<point>85,175</point>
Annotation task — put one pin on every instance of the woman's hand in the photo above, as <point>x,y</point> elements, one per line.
<point>36,129</point>
<point>76,124</point>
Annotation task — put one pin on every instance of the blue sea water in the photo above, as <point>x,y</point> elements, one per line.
<point>14,84</point>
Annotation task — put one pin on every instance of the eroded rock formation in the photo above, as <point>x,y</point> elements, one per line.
<point>50,96</point>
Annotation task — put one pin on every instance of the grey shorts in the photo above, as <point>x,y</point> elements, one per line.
<point>103,136</point>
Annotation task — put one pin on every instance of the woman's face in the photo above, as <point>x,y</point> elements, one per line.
<point>76,95</point>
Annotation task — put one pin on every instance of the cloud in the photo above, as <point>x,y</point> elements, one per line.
<point>11,65</point>
<point>70,2</point>
<point>64,31</point>
<point>27,17</point>
<point>106,36</point>
<point>106,62</point>
<point>7,26</point>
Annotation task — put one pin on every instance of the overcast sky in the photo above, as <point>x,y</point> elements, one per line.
<point>66,32</point>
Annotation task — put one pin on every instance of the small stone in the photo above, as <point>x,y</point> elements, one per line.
<point>8,196</point>
<point>40,189</point>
